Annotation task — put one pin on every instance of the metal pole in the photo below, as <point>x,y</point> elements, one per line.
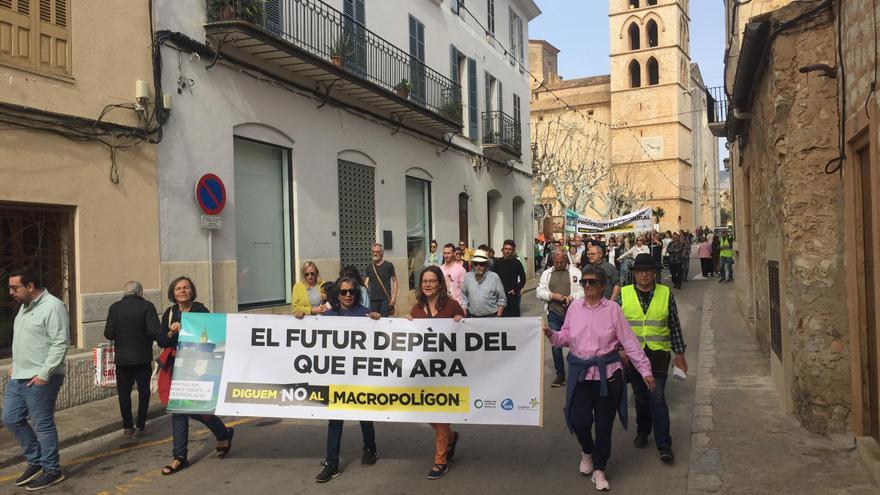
<point>211,270</point>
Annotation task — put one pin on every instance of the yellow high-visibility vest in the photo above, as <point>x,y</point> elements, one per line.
<point>651,328</point>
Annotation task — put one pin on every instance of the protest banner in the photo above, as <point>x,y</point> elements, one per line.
<point>481,371</point>
<point>638,221</point>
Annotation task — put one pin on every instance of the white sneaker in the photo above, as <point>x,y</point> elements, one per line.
<point>586,463</point>
<point>602,484</point>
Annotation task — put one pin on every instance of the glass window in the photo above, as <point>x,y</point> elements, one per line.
<point>262,223</point>
<point>418,225</point>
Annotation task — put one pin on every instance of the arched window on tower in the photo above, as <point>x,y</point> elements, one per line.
<point>653,72</point>
<point>633,4</point>
<point>635,74</point>
<point>653,33</point>
<point>635,37</point>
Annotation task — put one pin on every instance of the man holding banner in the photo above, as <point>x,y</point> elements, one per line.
<point>558,287</point>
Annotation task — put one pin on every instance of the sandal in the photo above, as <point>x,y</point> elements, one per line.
<point>222,451</point>
<point>171,468</point>
<point>437,471</point>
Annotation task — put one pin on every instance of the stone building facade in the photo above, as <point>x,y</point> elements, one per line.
<point>649,113</point>
<point>86,216</point>
<point>803,165</point>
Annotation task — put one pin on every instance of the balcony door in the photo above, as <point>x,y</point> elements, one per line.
<point>417,60</point>
<point>354,31</point>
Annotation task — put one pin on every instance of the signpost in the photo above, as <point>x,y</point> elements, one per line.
<point>211,199</point>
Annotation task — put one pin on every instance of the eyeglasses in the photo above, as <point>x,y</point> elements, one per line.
<point>346,292</point>
<point>311,274</point>
<point>14,287</point>
<point>430,281</point>
<point>590,282</point>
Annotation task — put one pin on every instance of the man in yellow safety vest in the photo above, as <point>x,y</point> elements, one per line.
<point>726,257</point>
<point>651,311</point>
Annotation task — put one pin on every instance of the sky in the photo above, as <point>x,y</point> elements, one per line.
<point>579,28</point>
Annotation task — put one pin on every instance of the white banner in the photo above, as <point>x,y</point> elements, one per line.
<point>638,221</point>
<point>481,371</point>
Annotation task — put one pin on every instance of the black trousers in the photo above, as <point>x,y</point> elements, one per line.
<point>126,376</point>
<point>707,266</point>
<point>587,408</point>
<point>512,308</point>
<point>675,271</point>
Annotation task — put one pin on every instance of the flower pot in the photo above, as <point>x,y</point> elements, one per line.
<point>226,13</point>
<point>402,92</point>
<point>337,60</point>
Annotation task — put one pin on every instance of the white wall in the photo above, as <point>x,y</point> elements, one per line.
<point>199,139</point>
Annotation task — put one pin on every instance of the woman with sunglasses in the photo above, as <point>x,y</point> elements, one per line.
<point>594,331</point>
<point>344,299</point>
<point>306,295</point>
<point>433,301</point>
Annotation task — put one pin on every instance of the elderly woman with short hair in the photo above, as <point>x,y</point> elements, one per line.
<point>594,331</point>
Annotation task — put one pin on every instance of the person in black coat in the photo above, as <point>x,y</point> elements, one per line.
<point>132,325</point>
<point>182,292</point>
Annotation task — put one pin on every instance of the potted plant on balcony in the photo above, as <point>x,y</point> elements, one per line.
<point>226,10</point>
<point>451,109</point>
<point>403,88</point>
<point>340,50</point>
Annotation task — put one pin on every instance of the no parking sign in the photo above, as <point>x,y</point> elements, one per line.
<point>210,194</point>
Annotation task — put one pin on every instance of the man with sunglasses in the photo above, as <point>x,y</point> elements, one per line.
<point>651,311</point>
<point>482,293</point>
<point>40,339</point>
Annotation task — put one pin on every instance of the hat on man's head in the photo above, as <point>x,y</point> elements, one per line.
<point>644,261</point>
<point>480,256</point>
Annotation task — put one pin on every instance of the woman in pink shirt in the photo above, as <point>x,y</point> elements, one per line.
<point>594,331</point>
<point>704,251</point>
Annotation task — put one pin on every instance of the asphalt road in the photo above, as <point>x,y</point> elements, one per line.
<point>272,456</point>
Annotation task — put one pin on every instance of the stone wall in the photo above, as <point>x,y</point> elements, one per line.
<point>79,386</point>
<point>796,218</point>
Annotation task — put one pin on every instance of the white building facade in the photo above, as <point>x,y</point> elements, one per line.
<point>335,125</point>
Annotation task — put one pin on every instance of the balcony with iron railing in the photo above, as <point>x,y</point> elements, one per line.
<point>502,138</point>
<point>311,43</point>
<point>716,107</point>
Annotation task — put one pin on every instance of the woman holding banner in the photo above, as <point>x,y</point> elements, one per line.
<point>306,295</point>
<point>182,293</point>
<point>433,301</point>
<point>344,298</point>
<point>594,330</point>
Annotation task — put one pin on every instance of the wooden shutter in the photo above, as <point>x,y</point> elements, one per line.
<point>53,53</point>
<point>521,42</point>
<point>36,34</point>
<point>500,97</point>
<point>16,32</point>
<point>472,98</point>
<point>511,31</point>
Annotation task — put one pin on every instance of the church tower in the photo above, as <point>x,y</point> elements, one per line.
<point>651,141</point>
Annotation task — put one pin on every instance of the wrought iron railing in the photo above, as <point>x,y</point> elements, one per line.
<point>502,129</point>
<point>322,31</point>
<point>718,108</point>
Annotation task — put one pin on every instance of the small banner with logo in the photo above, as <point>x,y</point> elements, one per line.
<point>481,371</point>
<point>638,221</point>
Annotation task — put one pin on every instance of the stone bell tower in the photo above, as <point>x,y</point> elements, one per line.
<point>651,142</point>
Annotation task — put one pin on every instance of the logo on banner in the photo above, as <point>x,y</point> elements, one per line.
<point>507,404</point>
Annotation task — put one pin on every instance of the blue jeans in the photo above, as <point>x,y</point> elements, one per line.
<point>380,306</point>
<point>40,440</point>
<point>334,439</point>
<point>555,321</point>
<point>728,263</point>
<point>180,430</point>
<point>651,408</point>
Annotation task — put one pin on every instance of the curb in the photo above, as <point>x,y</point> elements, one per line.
<point>704,461</point>
<point>13,455</point>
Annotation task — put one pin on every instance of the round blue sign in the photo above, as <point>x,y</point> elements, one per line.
<point>210,194</point>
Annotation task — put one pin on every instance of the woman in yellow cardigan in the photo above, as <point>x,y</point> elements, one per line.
<point>306,295</point>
